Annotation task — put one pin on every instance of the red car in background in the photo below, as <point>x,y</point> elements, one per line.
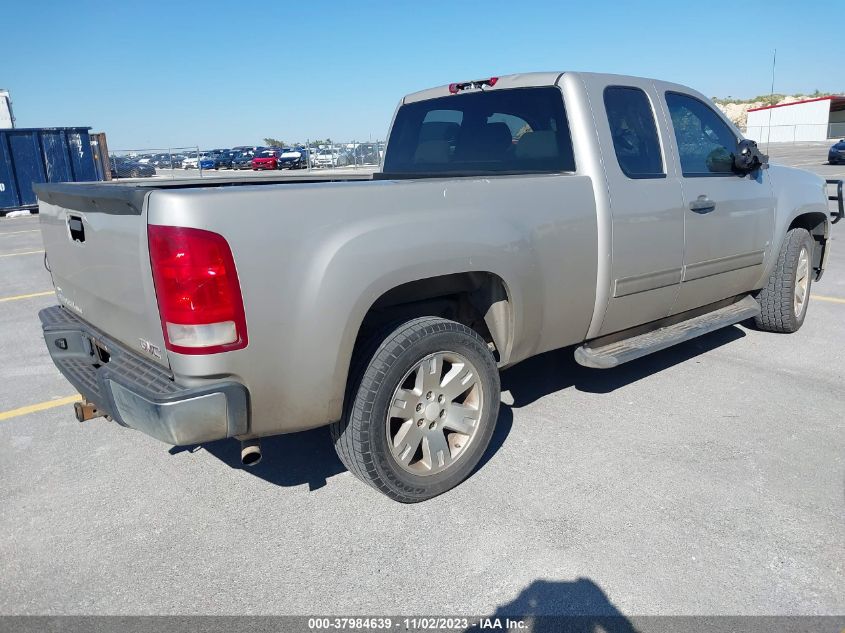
<point>266,159</point>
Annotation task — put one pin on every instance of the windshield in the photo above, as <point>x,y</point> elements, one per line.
<point>517,131</point>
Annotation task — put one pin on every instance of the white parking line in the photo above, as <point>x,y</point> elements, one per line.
<point>19,232</point>
<point>22,253</point>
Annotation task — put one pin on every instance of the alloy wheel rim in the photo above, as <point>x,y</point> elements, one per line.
<point>802,282</point>
<point>435,413</point>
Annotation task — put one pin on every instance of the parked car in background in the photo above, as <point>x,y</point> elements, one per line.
<point>366,154</point>
<point>836,154</point>
<point>266,159</point>
<point>326,158</point>
<point>207,160</point>
<point>251,149</point>
<point>344,158</point>
<point>242,160</point>
<point>122,167</point>
<point>224,160</point>
<point>294,158</point>
<point>167,161</point>
<point>191,161</point>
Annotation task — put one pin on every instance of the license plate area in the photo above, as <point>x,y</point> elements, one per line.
<point>100,351</point>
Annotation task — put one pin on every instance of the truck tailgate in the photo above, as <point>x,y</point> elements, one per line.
<point>96,243</point>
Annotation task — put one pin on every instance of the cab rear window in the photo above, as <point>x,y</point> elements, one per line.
<point>523,130</point>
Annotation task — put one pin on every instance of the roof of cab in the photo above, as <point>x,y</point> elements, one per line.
<point>551,78</point>
<point>521,80</point>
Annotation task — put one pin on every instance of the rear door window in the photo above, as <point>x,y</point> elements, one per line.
<point>522,130</point>
<point>634,132</point>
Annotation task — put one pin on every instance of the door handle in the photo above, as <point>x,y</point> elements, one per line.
<point>702,204</point>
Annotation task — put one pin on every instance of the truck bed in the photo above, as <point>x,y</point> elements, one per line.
<point>117,194</point>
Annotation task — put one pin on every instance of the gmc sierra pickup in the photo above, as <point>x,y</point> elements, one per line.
<point>513,215</point>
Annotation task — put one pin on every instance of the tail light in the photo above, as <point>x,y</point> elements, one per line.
<point>199,296</point>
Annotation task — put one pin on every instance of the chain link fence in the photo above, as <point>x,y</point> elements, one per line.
<point>196,162</point>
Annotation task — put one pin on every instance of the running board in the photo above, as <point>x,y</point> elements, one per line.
<point>616,353</point>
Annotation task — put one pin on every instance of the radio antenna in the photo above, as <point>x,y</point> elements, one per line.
<point>771,98</point>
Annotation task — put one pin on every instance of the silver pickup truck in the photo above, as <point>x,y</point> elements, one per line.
<point>513,215</point>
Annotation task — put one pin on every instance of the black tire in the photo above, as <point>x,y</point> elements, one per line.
<point>360,438</point>
<point>777,298</point>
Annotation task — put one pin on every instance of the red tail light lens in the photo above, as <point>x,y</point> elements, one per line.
<point>199,296</point>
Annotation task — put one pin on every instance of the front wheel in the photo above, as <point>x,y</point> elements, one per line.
<point>784,299</point>
<point>422,411</point>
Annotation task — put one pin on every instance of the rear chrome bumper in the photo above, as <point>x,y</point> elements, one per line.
<point>136,392</point>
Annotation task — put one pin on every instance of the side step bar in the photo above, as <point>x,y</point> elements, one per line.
<point>616,353</point>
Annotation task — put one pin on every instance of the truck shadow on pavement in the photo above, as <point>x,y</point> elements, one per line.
<point>547,606</point>
<point>554,371</point>
<point>309,457</point>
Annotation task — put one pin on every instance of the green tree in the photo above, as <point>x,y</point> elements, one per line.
<point>273,142</point>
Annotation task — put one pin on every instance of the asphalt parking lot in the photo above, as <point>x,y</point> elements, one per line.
<point>705,479</point>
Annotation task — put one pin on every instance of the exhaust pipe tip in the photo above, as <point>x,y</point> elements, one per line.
<point>250,452</point>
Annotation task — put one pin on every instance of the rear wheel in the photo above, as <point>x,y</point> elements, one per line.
<point>786,296</point>
<point>422,411</point>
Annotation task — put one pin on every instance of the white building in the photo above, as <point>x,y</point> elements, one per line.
<point>808,120</point>
<point>7,121</point>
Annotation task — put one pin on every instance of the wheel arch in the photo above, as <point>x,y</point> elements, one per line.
<point>818,225</point>
<point>479,299</point>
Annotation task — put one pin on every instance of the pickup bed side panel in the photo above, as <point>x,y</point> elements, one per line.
<point>313,259</point>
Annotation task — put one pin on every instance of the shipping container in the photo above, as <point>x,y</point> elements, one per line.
<point>31,155</point>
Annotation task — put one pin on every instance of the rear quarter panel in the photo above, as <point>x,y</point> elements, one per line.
<point>313,258</point>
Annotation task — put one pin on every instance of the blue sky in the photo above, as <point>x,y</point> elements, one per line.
<point>155,74</point>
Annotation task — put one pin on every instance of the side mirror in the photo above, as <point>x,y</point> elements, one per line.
<point>748,157</point>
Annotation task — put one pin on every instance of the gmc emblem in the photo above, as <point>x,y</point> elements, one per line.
<point>149,348</point>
